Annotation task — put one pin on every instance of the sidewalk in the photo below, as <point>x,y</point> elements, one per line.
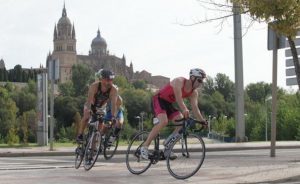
<point>69,151</point>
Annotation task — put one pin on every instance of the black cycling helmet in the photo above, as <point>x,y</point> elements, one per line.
<point>105,74</point>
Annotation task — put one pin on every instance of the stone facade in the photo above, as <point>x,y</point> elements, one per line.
<point>64,42</point>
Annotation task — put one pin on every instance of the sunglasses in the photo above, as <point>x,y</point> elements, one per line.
<point>199,80</point>
<point>108,80</point>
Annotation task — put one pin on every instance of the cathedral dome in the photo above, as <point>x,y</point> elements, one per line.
<point>64,20</point>
<point>98,41</point>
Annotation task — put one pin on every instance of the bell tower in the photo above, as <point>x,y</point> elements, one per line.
<point>64,43</point>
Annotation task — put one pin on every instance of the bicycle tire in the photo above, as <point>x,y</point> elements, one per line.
<point>92,152</point>
<point>135,164</point>
<point>79,153</point>
<point>110,150</point>
<point>190,152</point>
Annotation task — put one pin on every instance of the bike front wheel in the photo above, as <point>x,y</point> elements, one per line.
<point>134,162</point>
<point>186,156</point>
<point>92,151</point>
<point>110,148</point>
<point>79,153</point>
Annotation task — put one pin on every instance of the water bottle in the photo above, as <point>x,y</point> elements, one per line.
<point>155,121</point>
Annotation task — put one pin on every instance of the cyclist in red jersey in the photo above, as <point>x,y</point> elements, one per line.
<point>162,103</point>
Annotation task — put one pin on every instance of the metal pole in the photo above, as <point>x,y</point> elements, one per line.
<point>51,114</point>
<point>266,122</point>
<point>239,86</point>
<point>209,125</point>
<point>274,97</point>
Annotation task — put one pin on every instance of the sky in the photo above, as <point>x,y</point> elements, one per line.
<point>150,33</point>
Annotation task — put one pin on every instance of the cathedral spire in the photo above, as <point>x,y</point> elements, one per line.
<point>55,32</point>
<point>64,12</point>
<point>73,32</point>
<point>98,33</point>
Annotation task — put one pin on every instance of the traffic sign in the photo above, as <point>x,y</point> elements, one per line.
<point>271,40</point>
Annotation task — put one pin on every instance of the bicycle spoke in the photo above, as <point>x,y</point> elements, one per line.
<point>78,155</point>
<point>189,156</point>
<point>91,152</point>
<point>110,149</point>
<point>134,162</point>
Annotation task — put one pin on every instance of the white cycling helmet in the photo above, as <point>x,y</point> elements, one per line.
<point>197,72</point>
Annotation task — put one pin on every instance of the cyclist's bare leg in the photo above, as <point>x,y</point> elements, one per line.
<point>84,121</point>
<point>120,123</point>
<point>177,117</point>
<point>163,121</point>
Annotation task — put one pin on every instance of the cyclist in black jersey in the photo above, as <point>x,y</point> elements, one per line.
<point>100,92</point>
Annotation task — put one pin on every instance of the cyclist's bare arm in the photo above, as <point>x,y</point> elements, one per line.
<point>113,98</point>
<point>91,95</point>
<point>194,103</point>
<point>177,85</point>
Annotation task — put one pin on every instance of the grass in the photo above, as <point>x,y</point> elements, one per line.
<point>56,144</point>
<point>18,145</point>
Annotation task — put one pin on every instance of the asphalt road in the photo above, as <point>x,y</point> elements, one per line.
<point>247,166</point>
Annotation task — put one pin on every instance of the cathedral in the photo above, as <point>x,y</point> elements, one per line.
<point>64,49</point>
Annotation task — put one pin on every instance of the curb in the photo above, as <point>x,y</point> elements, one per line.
<point>123,151</point>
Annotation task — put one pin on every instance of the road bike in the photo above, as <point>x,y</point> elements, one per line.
<point>88,150</point>
<point>184,152</point>
<point>94,142</point>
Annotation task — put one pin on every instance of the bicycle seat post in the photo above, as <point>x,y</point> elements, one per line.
<point>156,142</point>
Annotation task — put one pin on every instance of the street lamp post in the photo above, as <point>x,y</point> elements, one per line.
<point>209,124</point>
<point>142,120</point>
<point>139,126</point>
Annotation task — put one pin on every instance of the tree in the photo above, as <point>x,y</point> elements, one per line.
<point>29,126</point>
<point>282,16</point>
<point>80,77</point>
<point>1,74</point>
<point>25,101</point>
<point>288,117</point>
<point>122,82</point>
<point>17,73</point>
<point>66,89</point>
<point>258,92</point>
<point>31,87</point>
<point>65,109</point>
<point>139,84</point>
<point>136,101</point>
<point>8,112</point>
<point>225,86</point>
<point>209,85</point>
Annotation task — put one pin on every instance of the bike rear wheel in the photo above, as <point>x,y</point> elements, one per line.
<point>190,153</point>
<point>79,153</point>
<point>92,151</point>
<point>134,162</point>
<point>110,149</point>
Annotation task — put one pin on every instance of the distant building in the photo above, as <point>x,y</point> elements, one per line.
<point>64,49</point>
<point>2,64</point>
